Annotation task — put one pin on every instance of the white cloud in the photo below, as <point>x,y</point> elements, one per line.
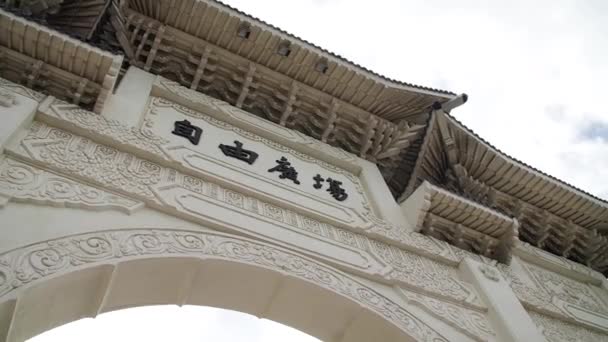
<point>535,73</point>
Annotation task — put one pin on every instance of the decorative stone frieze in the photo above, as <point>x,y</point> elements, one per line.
<point>559,331</point>
<point>37,262</point>
<point>26,183</point>
<point>555,295</point>
<point>75,119</point>
<point>470,322</point>
<point>174,192</point>
<point>8,87</point>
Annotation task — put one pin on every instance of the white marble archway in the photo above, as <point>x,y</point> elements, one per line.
<point>48,284</point>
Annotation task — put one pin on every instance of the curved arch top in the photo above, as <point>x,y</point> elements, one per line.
<point>58,281</point>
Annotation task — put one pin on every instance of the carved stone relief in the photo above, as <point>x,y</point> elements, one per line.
<point>531,297</point>
<point>535,255</point>
<point>23,182</point>
<point>66,115</point>
<point>489,272</point>
<point>207,159</point>
<point>558,296</point>
<point>36,262</point>
<point>150,143</point>
<point>9,87</point>
<point>559,331</point>
<point>169,190</point>
<point>471,322</point>
<point>566,289</point>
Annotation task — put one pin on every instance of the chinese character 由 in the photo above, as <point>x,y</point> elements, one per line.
<point>239,153</point>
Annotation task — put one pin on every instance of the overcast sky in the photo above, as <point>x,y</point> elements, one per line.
<point>535,73</point>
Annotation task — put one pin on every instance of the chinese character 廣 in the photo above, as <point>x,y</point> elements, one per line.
<point>287,171</point>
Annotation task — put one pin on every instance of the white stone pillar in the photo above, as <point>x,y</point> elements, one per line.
<point>506,313</point>
<point>128,103</point>
<point>381,198</point>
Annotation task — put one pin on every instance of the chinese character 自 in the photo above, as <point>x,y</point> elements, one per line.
<point>187,130</point>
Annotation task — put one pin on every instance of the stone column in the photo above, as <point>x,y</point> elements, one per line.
<point>506,313</point>
<point>128,103</point>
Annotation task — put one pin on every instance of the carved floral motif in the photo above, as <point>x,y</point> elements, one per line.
<point>489,272</point>
<point>470,322</point>
<point>8,87</point>
<point>22,182</point>
<point>33,263</point>
<point>566,289</point>
<point>531,297</point>
<point>559,331</point>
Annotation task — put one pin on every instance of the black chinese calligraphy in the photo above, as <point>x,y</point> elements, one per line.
<point>318,181</point>
<point>187,130</point>
<point>287,171</point>
<point>239,153</point>
<point>334,189</point>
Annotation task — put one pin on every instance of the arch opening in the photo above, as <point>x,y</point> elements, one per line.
<point>61,281</point>
<point>173,323</point>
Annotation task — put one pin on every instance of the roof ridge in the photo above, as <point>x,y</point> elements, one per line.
<point>333,54</point>
<point>561,182</point>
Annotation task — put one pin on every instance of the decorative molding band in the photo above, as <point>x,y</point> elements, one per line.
<point>559,331</point>
<point>25,183</point>
<point>34,263</point>
<point>470,322</point>
<point>557,264</point>
<point>10,87</point>
<point>560,297</point>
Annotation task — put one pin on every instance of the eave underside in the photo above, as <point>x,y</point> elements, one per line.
<point>550,214</point>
